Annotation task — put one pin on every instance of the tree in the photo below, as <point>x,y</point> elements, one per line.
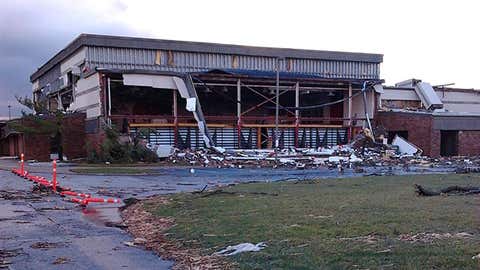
<point>37,107</point>
<point>40,123</point>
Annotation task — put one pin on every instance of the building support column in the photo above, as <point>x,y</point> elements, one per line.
<point>109,98</point>
<point>239,113</point>
<point>175,118</point>
<point>350,127</point>
<point>297,112</point>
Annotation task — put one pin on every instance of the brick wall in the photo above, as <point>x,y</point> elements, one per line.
<point>73,131</point>
<point>419,128</point>
<point>469,142</point>
<point>37,146</point>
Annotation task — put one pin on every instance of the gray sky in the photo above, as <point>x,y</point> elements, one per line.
<point>436,41</point>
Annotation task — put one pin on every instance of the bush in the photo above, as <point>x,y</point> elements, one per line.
<point>114,151</point>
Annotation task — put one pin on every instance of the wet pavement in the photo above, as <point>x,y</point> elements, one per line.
<point>46,232</point>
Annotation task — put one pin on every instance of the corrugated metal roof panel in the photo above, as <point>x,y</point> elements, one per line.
<point>198,47</point>
<point>178,61</point>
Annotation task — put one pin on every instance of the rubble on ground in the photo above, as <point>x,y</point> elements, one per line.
<point>362,152</point>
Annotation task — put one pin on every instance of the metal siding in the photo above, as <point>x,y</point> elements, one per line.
<point>125,58</point>
<point>456,123</point>
<point>52,79</point>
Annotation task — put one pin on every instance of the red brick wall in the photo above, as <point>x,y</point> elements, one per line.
<point>468,142</point>
<point>435,143</point>
<point>37,147</point>
<point>74,137</point>
<point>419,128</point>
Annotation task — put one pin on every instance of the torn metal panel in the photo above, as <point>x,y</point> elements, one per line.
<point>378,88</point>
<point>155,81</point>
<point>428,96</point>
<point>187,90</point>
<point>182,88</point>
<point>405,147</point>
<point>191,104</point>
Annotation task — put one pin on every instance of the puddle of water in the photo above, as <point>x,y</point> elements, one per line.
<point>100,215</point>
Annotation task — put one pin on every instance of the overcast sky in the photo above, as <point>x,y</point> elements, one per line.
<point>436,41</point>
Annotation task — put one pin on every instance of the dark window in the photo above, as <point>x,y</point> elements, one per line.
<point>448,143</point>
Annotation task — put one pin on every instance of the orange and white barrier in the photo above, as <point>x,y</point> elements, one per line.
<point>84,199</point>
<point>22,165</point>
<point>76,194</point>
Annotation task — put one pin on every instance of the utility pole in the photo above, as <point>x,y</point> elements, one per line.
<point>9,113</point>
<point>277,101</point>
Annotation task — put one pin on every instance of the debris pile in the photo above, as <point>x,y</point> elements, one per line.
<point>363,151</point>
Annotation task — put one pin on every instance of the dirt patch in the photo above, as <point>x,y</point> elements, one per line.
<point>143,225</point>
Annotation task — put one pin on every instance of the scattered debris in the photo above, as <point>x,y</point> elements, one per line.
<point>129,243</point>
<point>61,260</point>
<point>243,247</point>
<point>430,237</point>
<point>452,190</point>
<point>127,202</point>
<point>45,245</point>
<point>6,253</point>
<point>320,216</point>
<point>17,195</point>
<point>363,151</point>
<point>116,224</point>
<point>200,191</point>
<point>139,241</point>
<point>52,208</point>
<point>142,224</point>
<point>368,239</point>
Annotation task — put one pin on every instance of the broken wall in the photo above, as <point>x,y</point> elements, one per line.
<point>87,96</point>
<point>455,100</point>
<point>419,127</point>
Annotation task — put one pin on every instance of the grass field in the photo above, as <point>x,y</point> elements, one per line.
<point>112,170</point>
<point>355,223</point>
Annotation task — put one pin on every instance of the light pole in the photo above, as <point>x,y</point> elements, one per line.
<point>9,113</point>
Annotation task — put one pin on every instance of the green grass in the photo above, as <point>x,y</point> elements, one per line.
<point>303,225</point>
<point>112,170</point>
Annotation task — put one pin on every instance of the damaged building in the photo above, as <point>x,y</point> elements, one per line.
<point>441,120</point>
<point>192,94</point>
